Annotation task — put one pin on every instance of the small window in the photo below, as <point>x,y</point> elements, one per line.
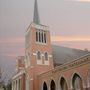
<point>36,36</point>
<point>38,55</point>
<point>39,37</point>
<point>44,37</point>
<point>46,56</point>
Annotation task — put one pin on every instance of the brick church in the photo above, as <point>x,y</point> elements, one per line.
<point>50,67</point>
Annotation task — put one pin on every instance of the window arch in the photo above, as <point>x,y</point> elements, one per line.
<point>38,55</point>
<point>44,37</point>
<point>77,82</point>
<point>36,36</point>
<point>52,85</point>
<point>45,86</point>
<point>63,84</point>
<point>46,56</point>
<point>39,37</point>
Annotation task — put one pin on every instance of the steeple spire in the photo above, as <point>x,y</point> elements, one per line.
<point>36,18</point>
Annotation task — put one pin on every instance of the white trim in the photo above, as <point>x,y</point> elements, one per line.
<point>18,74</point>
<point>46,62</point>
<point>50,56</point>
<point>39,62</point>
<point>42,54</point>
<point>42,27</point>
<point>42,43</point>
<point>34,54</point>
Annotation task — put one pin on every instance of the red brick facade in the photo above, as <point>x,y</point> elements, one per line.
<point>80,67</point>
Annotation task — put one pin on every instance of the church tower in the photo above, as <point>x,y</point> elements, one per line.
<point>38,51</point>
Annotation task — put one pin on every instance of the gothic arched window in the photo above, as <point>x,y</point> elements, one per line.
<point>52,85</point>
<point>63,84</point>
<point>45,86</point>
<point>38,55</point>
<point>44,37</point>
<point>36,36</point>
<point>46,56</point>
<point>77,82</point>
<point>39,37</point>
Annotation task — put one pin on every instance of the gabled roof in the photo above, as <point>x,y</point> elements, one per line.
<point>63,55</point>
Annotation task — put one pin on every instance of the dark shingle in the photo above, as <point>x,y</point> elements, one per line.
<point>63,55</point>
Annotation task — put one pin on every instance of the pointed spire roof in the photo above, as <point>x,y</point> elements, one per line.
<point>36,18</point>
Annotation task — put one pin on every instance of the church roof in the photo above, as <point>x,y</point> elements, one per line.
<point>63,55</point>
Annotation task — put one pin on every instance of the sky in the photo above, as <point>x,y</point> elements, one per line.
<point>68,21</point>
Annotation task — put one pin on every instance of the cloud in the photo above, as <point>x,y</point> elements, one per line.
<point>13,54</point>
<point>9,55</point>
<point>12,40</point>
<point>56,38</point>
<point>83,0</point>
<point>69,38</point>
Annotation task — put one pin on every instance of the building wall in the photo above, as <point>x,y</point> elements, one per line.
<point>80,67</point>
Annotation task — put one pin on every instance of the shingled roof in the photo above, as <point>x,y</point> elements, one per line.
<point>63,55</point>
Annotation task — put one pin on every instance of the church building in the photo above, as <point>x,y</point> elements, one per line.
<point>50,67</point>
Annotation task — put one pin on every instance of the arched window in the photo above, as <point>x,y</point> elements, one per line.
<point>39,37</point>
<point>63,84</point>
<point>46,56</point>
<point>45,86</point>
<point>77,82</point>
<point>44,37</point>
<point>52,85</point>
<point>38,55</point>
<point>36,36</point>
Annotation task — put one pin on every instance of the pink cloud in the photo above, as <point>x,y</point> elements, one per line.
<point>14,54</point>
<point>83,0</point>
<point>12,40</point>
<point>69,38</point>
<point>10,55</point>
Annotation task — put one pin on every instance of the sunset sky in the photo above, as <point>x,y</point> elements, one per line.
<point>68,21</point>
